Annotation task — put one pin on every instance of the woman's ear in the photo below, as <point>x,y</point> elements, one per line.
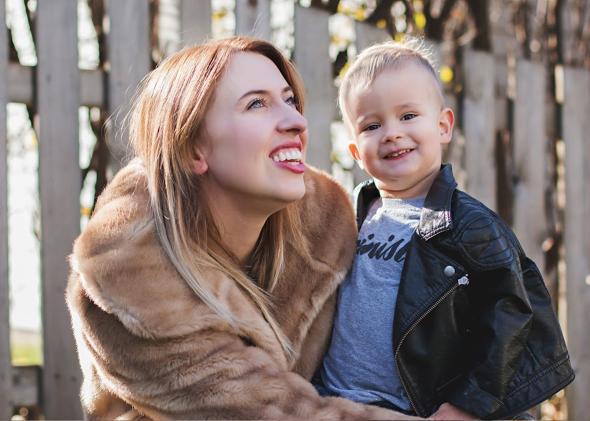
<point>446,122</point>
<point>199,162</point>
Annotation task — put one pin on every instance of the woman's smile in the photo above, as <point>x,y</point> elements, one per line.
<point>289,156</point>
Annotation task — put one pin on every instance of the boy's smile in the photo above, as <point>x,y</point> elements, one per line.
<point>399,125</point>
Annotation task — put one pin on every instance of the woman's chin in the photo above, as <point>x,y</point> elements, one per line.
<point>289,195</point>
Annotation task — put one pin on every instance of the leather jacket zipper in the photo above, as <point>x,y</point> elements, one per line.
<point>396,351</point>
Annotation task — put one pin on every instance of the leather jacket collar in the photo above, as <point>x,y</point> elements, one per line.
<point>436,213</point>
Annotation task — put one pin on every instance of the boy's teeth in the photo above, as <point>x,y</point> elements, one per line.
<point>398,153</point>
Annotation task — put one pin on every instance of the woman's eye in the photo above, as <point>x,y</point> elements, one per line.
<point>371,127</point>
<point>409,116</point>
<point>291,101</point>
<point>256,103</point>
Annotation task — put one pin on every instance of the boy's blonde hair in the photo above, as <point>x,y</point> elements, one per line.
<point>372,61</point>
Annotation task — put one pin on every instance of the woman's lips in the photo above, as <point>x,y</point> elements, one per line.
<point>289,158</point>
<point>297,167</point>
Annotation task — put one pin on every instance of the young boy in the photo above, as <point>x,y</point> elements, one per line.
<point>442,313</point>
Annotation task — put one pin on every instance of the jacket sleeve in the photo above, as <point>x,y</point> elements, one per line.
<point>205,374</point>
<point>503,316</point>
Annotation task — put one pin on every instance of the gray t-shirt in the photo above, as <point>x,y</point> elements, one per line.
<point>360,364</point>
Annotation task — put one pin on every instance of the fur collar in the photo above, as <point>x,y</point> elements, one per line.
<point>123,270</point>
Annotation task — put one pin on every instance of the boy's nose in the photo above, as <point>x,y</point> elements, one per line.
<point>393,133</point>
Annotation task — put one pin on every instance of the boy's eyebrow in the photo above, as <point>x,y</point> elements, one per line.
<point>408,105</point>
<point>263,92</point>
<point>398,106</point>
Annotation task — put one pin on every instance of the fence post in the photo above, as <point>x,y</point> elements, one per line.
<point>195,21</point>
<point>5,359</point>
<point>253,19</point>
<point>58,96</point>
<point>478,126</point>
<point>576,126</point>
<point>311,54</point>
<point>530,150</point>
<point>129,52</point>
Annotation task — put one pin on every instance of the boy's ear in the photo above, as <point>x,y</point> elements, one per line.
<point>354,151</point>
<point>198,161</point>
<point>446,122</point>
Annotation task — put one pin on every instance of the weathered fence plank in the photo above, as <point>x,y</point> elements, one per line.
<point>20,85</point>
<point>195,21</point>
<point>58,97</point>
<point>5,360</point>
<point>478,126</point>
<point>368,34</point>
<point>129,56</point>
<point>576,126</point>
<point>26,380</point>
<point>454,151</point>
<point>253,18</point>
<point>530,150</point>
<point>311,30</point>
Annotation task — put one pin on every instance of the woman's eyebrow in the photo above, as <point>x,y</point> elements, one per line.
<point>263,92</point>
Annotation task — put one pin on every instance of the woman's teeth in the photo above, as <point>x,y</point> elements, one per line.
<point>287,155</point>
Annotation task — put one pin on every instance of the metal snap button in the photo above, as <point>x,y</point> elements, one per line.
<point>449,271</point>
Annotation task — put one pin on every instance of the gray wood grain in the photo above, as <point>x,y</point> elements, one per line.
<point>530,151</point>
<point>478,126</point>
<point>576,126</point>
<point>195,21</point>
<point>5,360</point>
<point>311,55</point>
<point>253,19</point>
<point>129,56</point>
<point>58,97</point>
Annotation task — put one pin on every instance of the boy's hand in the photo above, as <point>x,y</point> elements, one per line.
<point>450,412</point>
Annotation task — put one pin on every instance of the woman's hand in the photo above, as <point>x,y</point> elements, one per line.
<point>450,412</point>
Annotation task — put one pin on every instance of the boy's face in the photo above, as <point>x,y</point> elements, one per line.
<point>399,125</point>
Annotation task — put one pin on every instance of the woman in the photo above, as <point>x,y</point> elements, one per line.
<point>203,287</point>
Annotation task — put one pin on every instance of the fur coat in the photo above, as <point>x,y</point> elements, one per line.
<point>149,347</point>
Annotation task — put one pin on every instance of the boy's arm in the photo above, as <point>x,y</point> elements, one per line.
<point>502,319</point>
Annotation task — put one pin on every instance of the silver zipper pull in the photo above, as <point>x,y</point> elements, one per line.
<point>464,280</point>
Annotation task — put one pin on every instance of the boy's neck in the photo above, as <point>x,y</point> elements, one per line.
<point>419,189</point>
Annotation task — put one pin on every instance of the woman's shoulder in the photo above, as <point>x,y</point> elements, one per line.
<point>118,264</point>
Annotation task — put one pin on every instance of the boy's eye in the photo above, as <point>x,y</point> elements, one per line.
<point>370,127</point>
<point>256,103</point>
<point>409,116</point>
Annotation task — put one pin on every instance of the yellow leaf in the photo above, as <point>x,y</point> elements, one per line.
<point>446,74</point>
<point>381,24</point>
<point>343,70</point>
<point>420,20</point>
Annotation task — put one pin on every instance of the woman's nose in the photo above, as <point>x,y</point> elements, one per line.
<point>292,120</point>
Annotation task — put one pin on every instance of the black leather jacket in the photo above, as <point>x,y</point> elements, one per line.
<point>474,324</point>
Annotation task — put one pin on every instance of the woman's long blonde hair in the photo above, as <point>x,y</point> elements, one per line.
<point>165,123</point>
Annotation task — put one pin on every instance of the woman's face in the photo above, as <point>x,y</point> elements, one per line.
<point>254,138</point>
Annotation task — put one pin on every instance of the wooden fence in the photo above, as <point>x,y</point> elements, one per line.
<point>59,88</point>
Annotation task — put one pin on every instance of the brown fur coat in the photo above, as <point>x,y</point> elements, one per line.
<point>148,346</point>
